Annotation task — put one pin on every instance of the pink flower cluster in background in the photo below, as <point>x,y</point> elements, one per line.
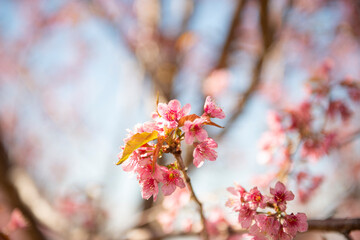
<point>171,124</point>
<point>310,130</point>
<point>265,216</point>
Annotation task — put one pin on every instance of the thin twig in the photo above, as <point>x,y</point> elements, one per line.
<point>181,164</point>
<point>267,35</point>
<point>235,22</point>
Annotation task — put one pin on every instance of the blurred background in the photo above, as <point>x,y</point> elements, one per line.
<point>75,74</point>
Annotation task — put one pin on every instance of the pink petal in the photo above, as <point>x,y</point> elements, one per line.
<point>162,109</point>
<point>174,105</point>
<point>168,189</point>
<point>185,110</point>
<point>189,138</point>
<point>201,135</point>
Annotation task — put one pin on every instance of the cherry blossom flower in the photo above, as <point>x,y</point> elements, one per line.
<point>339,108</point>
<point>246,216</point>
<point>301,117</point>
<point>149,188</point>
<point>172,112</point>
<point>211,110</point>
<point>140,152</point>
<point>317,146</point>
<point>268,224</point>
<point>131,163</point>
<point>203,151</point>
<point>283,235</point>
<point>295,223</point>
<point>149,171</point>
<point>256,233</point>
<point>274,120</point>
<point>281,195</point>
<point>236,199</point>
<point>171,179</point>
<point>193,130</point>
<point>353,88</point>
<point>255,198</point>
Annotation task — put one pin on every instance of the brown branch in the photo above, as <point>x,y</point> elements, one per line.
<point>181,164</point>
<point>223,58</point>
<point>11,193</point>
<point>342,225</point>
<point>267,35</point>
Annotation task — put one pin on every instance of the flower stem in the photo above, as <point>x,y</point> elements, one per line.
<point>182,168</point>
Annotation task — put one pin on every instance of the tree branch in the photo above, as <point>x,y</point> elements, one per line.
<point>341,225</point>
<point>181,164</point>
<point>223,58</point>
<point>267,35</point>
<point>11,193</point>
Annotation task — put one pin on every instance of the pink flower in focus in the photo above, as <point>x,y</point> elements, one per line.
<point>193,130</point>
<point>295,223</point>
<point>149,188</point>
<point>281,195</point>
<point>237,197</point>
<point>246,216</point>
<point>256,233</point>
<point>16,221</point>
<point>255,199</point>
<point>203,151</point>
<point>171,179</point>
<point>211,110</point>
<point>283,235</point>
<point>131,163</point>
<point>267,225</point>
<point>146,170</point>
<point>172,112</point>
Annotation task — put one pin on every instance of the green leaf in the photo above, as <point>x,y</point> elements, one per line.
<point>136,141</point>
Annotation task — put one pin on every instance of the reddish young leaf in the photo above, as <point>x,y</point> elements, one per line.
<point>191,118</point>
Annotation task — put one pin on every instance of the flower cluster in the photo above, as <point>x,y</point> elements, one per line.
<point>274,223</point>
<point>149,141</point>
<point>308,130</point>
